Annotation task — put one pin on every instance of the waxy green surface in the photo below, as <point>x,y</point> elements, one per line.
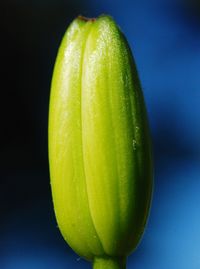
<point>99,142</point>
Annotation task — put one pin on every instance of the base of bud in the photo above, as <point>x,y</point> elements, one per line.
<point>109,263</point>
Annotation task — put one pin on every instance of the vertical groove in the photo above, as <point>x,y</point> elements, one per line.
<point>81,121</point>
<point>114,136</point>
<point>117,144</point>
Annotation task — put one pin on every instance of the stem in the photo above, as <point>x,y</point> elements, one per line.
<point>109,263</point>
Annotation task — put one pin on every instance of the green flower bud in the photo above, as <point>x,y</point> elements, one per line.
<point>99,144</point>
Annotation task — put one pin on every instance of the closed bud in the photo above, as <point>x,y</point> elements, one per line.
<point>99,144</point>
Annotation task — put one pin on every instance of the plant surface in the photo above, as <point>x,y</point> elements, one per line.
<point>99,144</point>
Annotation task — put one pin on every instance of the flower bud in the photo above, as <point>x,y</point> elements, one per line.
<point>99,144</point>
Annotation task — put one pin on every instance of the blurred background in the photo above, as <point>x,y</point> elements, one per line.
<point>165,38</point>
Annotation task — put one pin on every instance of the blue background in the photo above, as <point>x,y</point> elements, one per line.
<point>165,39</point>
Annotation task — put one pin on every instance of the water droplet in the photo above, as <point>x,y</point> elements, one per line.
<point>134,144</point>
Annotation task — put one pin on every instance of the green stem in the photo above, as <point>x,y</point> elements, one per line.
<point>109,263</point>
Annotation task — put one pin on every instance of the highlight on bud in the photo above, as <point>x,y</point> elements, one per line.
<point>99,144</point>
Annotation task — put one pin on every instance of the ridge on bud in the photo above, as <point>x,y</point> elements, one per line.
<point>99,143</point>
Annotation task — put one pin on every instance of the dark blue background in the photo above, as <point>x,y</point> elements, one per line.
<point>165,39</point>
